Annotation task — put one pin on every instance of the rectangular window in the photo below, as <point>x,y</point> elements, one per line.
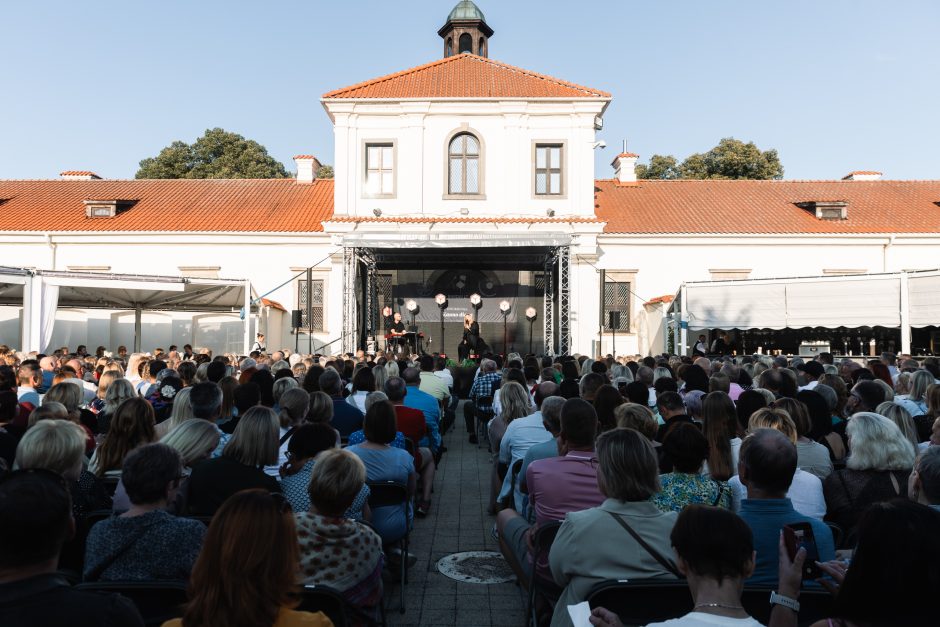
<point>616,298</point>
<point>548,169</point>
<point>380,169</point>
<point>317,324</point>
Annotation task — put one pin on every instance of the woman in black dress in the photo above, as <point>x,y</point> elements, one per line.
<point>471,338</point>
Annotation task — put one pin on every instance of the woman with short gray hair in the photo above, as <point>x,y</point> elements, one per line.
<point>627,475</point>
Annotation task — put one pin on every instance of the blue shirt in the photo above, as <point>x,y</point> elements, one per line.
<point>391,464</point>
<point>766,518</point>
<point>430,407</point>
<point>294,489</point>
<point>346,417</point>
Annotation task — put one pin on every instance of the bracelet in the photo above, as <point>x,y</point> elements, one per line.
<point>779,599</point>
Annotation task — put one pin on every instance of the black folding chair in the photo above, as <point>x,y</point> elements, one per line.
<point>157,601</point>
<point>539,589</point>
<point>394,494</point>
<point>642,601</point>
<point>483,417</point>
<point>316,598</point>
<point>510,500</point>
<point>72,556</point>
<point>110,484</point>
<point>815,604</point>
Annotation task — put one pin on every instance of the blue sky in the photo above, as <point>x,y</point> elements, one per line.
<point>833,85</point>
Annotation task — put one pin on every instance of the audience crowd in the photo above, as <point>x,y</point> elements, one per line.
<point>250,476</point>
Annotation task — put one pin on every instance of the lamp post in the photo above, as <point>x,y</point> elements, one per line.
<point>530,315</point>
<point>412,308</point>
<point>504,307</point>
<point>441,301</point>
<point>476,302</point>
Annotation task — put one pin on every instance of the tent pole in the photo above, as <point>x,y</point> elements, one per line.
<point>905,316</point>
<point>683,323</point>
<point>138,315</point>
<point>246,339</point>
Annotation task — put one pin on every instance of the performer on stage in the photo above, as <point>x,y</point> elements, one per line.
<point>397,331</point>
<point>471,338</point>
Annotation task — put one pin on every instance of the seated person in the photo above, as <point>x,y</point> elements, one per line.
<point>556,486</point>
<point>346,418</point>
<point>253,446</point>
<point>766,467</point>
<point>686,448</point>
<point>35,521</point>
<point>145,543</point>
<point>305,446</point>
<point>335,551</point>
<point>627,475</point>
<point>386,463</point>
<point>924,483</point>
<point>715,552</point>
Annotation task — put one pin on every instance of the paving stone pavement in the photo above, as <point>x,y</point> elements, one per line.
<point>457,522</point>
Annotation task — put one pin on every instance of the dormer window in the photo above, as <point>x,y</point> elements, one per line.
<point>106,208</point>
<point>826,209</point>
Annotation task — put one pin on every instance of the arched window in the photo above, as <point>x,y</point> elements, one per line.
<point>463,157</point>
<point>482,49</point>
<point>449,48</point>
<point>466,43</point>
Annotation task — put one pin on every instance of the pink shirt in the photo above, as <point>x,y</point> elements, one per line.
<point>559,485</point>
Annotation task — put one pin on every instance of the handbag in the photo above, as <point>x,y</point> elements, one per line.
<point>656,555</point>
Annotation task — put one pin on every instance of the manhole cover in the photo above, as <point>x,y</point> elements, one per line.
<point>476,567</point>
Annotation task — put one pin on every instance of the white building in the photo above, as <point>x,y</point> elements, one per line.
<point>462,175</point>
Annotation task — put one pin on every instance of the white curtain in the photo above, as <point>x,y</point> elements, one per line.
<point>924,290</point>
<point>50,304</point>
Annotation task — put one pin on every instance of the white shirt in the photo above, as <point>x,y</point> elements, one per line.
<point>805,492</point>
<point>521,434</point>
<point>701,619</point>
<point>446,376</point>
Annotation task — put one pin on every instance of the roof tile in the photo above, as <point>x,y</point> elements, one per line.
<point>465,76</point>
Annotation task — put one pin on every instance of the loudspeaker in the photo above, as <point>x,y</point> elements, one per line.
<point>614,320</point>
<point>296,318</point>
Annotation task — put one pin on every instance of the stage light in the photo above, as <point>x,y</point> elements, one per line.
<point>531,314</point>
<point>550,213</point>
<point>441,301</point>
<point>504,306</point>
<point>377,212</point>
<point>411,305</point>
<point>475,299</point>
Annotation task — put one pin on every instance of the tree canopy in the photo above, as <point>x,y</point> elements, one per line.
<point>218,154</point>
<point>730,159</point>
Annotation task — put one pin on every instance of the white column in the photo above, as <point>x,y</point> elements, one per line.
<point>683,323</point>
<point>138,315</point>
<point>905,315</point>
<point>246,337</point>
<point>32,314</point>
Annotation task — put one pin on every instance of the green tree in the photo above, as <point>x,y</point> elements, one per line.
<point>730,159</point>
<point>660,167</point>
<point>218,154</point>
<point>325,172</point>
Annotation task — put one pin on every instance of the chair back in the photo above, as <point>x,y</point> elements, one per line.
<point>641,602</point>
<point>814,604</point>
<point>317,598</point>
<point>390,494</point>
<point>109,484</point>
<point>157,601</point>
<point>72,556</point>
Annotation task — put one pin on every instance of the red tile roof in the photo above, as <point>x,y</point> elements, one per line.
<point>628,155</point>
<point>465,76</point>
<point>237,205</point>
<point>668,298</point>
<point>734,206</point>
<point>869,172</point>
<point>77,173</point>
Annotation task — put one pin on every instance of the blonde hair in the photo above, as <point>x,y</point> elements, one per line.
<point>337,477</point>
<point>321,407</point>
<point>392,368</point>
<point>255,440</point>
<point>119,391</point>
<point>381,376</point>
<point>69,393</point>
<point>133,363</point>
<point>514,400</point>
<point>889,391</point>
<point>637,417</point>
<point>901,417</point>
<point>56,445</point>
<point>876,443</point>
<point>920,381</point>
<point>294,403</point>
<point>193,439</point>
<point>182,408</point>
<point>771,418</point>
<point>374,397</point>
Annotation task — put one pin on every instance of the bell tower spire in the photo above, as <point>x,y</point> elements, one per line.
<point>466,31</point>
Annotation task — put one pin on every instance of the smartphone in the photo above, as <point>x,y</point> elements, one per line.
<point>797,535</point>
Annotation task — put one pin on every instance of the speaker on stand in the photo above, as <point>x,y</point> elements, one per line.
<point>296,321</point>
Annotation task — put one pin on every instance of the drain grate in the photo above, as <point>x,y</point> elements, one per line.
<point>483,567</point>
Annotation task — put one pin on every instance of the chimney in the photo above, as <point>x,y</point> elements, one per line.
<point>307,166</point>
<point>79,175</point>
<point>862,175</point>
<point>625,167</point>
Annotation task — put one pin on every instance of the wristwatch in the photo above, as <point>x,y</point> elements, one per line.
<point>779,599</point>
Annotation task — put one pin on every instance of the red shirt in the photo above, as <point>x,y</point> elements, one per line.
<point>411,423</point>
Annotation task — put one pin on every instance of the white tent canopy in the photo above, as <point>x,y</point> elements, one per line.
<point>895,300</point>
<point>42,292</point>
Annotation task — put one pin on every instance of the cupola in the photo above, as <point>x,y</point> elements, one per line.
<point>466,31</point>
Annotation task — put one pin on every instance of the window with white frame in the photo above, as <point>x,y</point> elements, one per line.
<point>463,156</point>
<point>548,169</point>
<point>380,169</point>
<point>315,294</point>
